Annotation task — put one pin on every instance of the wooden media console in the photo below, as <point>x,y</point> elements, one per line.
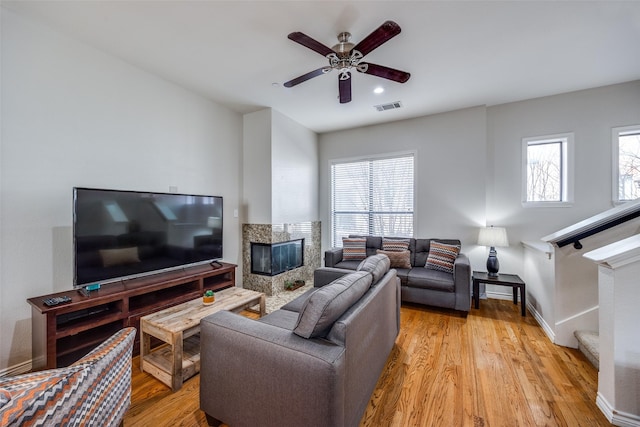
<point>63,333</point>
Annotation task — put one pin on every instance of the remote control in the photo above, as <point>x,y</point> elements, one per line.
<point>56,300</point>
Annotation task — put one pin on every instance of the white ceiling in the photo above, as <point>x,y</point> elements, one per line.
<point>459,54</point>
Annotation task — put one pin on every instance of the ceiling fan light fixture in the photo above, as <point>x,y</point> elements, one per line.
<point>346,56</point>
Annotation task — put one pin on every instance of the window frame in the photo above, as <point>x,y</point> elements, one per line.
<point>567,169</point>
<point>615,160</point>
<point>369,158</point>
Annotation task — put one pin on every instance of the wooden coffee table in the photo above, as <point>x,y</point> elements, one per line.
<point>179,328</point>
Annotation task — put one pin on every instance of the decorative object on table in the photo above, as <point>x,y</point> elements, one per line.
<point>209,297</point>
<point>492,237</point>
<point>292,285</point>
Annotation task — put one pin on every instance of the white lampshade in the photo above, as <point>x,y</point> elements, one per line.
<point>493,236</point>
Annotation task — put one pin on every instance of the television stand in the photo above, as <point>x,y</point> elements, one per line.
<point>63,333</point>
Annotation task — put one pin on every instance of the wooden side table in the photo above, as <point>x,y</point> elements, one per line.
<point>512,280</point>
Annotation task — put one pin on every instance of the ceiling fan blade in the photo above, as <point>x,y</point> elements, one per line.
<point>344,86</point>
<point>380,35</point>
<point>310,43</point>
<point>384,72</point>
<point>305,77</point>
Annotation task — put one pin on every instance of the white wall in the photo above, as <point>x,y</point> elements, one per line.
<point>590,115</point>
<point>450,166</point>
<point>73,116</point>
<point>280,169</point>
<point>294,173</point>
<point>469,165</point>
<point>256,167</point>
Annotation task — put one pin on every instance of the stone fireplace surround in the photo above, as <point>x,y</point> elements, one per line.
<point>277,233</point>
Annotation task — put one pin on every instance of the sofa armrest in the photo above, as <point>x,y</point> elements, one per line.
<point>324,275</point>
<point>332,257</point>
<point>462,282</point>
<point>239,385</point>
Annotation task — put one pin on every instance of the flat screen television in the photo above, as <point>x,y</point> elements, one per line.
<point>119,235</point>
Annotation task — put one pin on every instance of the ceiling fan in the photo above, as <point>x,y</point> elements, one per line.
<point>346,56</point>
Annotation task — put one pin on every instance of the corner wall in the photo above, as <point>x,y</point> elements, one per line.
<point>590,115</point>
<point>469,167</point>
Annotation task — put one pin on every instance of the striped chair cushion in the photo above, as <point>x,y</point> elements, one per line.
<point>442,256</point>
<point>95,391</point>
<point>5,397</point>
<point>354,248</point>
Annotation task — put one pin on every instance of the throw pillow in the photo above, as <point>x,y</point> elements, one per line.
<point>354,248</point>
<point>442,256</point>
<point>328,303</point>
<point>395,245</point>
<point>399,259</point>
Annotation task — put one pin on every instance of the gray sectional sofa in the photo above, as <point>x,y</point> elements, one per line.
<point>314,362</point>
<point>419,284</point>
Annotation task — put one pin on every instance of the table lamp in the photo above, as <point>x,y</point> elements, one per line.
<point>492,237</point>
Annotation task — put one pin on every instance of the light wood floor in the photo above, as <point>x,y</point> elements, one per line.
<point>490,368</point>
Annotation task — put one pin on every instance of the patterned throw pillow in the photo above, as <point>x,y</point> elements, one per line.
<point>395,245</point>
<point>442,256</point>
<point>354,248</point>
<point>399,259</point>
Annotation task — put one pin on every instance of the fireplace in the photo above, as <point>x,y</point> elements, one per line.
<point>262,276</point>
<point>271,259</point>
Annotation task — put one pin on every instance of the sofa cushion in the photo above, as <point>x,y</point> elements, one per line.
<point>297,304</point>
<point>281,318</point>
<point>328,303</point>
<point>395,245</point>
<point>377,265</point>
<point>354,248</point>
<point>442,256</point>
<point>430,279</point>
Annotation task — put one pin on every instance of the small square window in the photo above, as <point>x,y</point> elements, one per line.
<point>546,170</point>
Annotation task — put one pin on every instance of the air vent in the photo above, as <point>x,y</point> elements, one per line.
<point>390,106</point>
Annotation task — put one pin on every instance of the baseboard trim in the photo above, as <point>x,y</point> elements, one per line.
<point>20,368</point>
<point>618,418</point>
<point>544,325</point>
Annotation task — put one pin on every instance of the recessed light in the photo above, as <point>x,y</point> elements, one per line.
<point>378,90</point>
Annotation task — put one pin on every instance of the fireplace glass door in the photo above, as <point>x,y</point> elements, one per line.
<point>271,259</point>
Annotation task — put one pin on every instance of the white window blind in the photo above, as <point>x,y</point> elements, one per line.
<point>626,163</point>
<point>372,197</point>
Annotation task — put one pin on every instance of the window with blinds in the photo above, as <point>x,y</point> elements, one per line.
<point>372,197</point>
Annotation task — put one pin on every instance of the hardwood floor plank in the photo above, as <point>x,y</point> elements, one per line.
<point>491,368</point>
